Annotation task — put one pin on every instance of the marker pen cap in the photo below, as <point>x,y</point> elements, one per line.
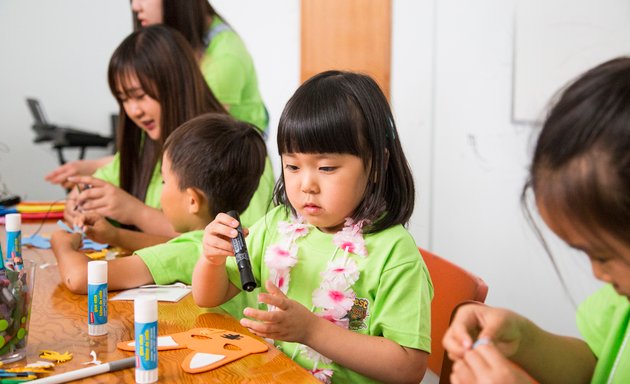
<point>97,272</point>
<point>13,222</point>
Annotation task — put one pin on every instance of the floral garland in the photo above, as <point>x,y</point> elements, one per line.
<point>335,297</point>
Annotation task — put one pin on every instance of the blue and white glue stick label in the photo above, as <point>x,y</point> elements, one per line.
<point>97,309</point>
<point>13,224</point>
<point>146,346</point>
<point>145,329</point>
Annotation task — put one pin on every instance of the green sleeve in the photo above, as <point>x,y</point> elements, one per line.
<point>110,172</point>
<point>174,260</point>
<point>404,286</point>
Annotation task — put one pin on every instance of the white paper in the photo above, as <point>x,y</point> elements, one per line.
<point>172,293</point>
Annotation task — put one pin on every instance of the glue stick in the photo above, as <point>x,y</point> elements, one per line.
<point>145,324</point>
<point>97,298</point>
<point>13,226</point>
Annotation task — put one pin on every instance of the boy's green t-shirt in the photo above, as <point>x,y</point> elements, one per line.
<point>111,173</point>
<point>229,71</point>
<point>175,261</point>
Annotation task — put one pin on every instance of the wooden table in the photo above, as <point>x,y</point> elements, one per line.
<point>59,322</point>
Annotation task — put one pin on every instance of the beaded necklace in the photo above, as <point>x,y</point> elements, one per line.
<point>335,296</point>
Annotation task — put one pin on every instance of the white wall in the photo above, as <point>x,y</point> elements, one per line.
<point>451,95</point>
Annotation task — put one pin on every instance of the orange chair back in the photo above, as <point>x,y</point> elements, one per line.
<point>452,285</point>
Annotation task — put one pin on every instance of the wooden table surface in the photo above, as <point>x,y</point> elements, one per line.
<point>59,322</point>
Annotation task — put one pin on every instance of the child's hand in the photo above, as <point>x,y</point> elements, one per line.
<point>486,364</point>
<point>70,211</point>
<point>502,327</point>
<point>217,244</point>
<point>63,240</point>
<point>61,174</point>
<point>107,200</point>
<point>97,228</point>
<point>290,321</point>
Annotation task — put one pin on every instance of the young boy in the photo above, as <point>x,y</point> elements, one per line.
<point>211,164</point>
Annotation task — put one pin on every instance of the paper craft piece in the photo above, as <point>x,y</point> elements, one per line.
<point>65,226</point>
<point>36,241</point>
<point>40,207</point>
<point>211,347</point>
<point>55,356</point>
<point>172,293</point>
<point>97,255</point>
<point>37,367</point>
<point>42,365</point>
<point>93,361</point>
<point>87,243</point>
<point>37,216</point>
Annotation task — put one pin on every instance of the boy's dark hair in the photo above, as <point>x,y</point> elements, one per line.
<point>168,72</point>
<point>581,164</point>
<point>220,156</point>
<point>347,113</point>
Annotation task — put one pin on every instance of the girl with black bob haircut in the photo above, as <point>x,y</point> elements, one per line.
<point>345,112</point>
<point>342,277</point>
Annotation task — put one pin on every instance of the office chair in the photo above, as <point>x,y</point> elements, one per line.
<point>452,286</point>
<point>62,137</point>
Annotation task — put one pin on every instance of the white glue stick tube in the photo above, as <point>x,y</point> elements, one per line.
<point>97,298</point>
<point>13,225</point>
<point>145,324</point>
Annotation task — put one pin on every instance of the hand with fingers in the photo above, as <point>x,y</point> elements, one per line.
<point>217,244</point>
<point>486,364</point>
<point>96,228</point>
<point>71,210</point>
<point>211,285</point>
<point>472,322</point>
<point>288,321</point>
<point>107,200</point>
<point>61,174</point>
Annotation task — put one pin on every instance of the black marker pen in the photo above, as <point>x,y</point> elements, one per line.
<point>242,257</point>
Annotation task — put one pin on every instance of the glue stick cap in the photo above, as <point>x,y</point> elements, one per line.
<point>97,272</point>
<point>145,309</point>
<point>13,222</point>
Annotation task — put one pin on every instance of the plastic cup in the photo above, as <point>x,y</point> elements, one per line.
<point>16,296</point>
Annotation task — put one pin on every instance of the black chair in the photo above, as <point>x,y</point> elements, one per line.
<point>63,137</point>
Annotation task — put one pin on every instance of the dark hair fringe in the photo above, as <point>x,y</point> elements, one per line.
<point>346,112</point>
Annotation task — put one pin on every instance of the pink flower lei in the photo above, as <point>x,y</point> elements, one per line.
<point>334,297</point>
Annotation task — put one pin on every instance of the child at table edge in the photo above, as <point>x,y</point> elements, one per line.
<point>210,164</point>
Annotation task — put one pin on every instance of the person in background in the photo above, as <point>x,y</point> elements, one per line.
<point>155,78</point>
<point>348,295</point>
<point>211,164</point>
<point>225,62</point>
<point>226,66</point>
<point>580,177</point>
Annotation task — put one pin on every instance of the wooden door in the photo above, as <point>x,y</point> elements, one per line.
<point>347,35</point>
